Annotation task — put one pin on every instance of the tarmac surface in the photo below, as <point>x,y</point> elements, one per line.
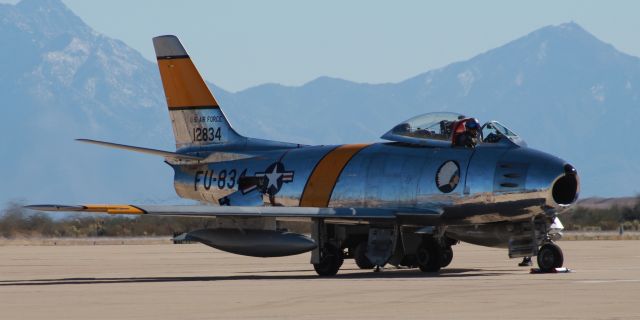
<point>196,282</point>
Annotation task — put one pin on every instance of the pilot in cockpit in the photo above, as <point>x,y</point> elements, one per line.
<point>469,138</point>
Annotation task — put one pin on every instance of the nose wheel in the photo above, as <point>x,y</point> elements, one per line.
<point>550,257</point>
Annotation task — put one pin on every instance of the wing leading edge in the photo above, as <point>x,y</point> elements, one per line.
<point>237,211</point>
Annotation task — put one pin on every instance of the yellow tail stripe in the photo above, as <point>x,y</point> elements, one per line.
<point>183,85</point>
<point>319,188</point>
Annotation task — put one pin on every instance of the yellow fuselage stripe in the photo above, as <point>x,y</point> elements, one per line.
<point>183,85</point>
<point>322,180</point>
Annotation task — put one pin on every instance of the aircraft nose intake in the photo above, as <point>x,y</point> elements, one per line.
<point>565,189</point>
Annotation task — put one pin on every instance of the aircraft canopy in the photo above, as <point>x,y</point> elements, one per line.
<point>438,129</point>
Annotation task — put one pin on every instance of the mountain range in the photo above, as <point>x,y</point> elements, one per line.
<point>562,89</point>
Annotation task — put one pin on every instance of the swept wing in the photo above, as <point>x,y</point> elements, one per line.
<point>240,211</point>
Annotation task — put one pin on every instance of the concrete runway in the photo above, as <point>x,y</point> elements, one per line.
<point>197,282</point>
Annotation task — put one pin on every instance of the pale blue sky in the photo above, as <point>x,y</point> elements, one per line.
<point>238,44</point>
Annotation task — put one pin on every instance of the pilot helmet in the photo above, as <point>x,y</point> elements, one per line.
<point>472,124</point>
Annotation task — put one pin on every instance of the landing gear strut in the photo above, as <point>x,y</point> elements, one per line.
<point>331,259</point>
<point>550,257</point>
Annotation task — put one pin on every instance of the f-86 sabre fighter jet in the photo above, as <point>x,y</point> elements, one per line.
<point>438,179</point>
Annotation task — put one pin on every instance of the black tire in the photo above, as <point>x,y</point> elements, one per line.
<point>428,256</point>
<point>409,261</point>
<point>360,256</point>
<point>550,257</point>
<point>446,257</point>
<point>331,260</point>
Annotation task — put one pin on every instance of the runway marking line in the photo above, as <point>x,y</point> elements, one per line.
<point>609,281</point>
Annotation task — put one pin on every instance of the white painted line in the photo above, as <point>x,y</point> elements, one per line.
<point>609,281</point>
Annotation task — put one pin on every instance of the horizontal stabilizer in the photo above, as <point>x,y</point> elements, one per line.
<point>167,154</point>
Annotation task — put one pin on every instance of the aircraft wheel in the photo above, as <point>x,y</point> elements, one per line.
<point>550,257</point>
<point>360,256</point>
<point>446,256</point>
<point>429,256</point>
<point>330,261</point>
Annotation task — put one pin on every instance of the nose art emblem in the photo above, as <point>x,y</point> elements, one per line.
<point>448,176</point>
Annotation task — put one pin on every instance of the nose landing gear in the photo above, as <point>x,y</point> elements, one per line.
<point>542,234</point>
<point>550,257</point>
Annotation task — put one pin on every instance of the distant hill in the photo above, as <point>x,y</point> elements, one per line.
<point>562,89</point>
<point>61,80</point>
<point>607,203</point>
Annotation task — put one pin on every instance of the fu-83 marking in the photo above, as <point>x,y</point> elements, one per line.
<point>224,178</point>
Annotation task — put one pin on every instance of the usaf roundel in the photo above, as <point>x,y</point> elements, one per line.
<point>448,176</point>
<point>275,175</point>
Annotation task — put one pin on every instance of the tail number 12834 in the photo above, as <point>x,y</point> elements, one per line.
<point>207,134</point>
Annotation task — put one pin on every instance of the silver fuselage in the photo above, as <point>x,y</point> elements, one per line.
<point>497,182</point>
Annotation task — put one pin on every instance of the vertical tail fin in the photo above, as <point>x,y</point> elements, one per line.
<point>195,114</point>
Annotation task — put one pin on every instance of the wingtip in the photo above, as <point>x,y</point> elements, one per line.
<point>53,207</point>
<point>96,208</point>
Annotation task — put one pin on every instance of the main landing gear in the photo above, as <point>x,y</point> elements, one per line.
<point>447,256</point>
<point>431,256</point>
<point>373,247</point>
<point>331,259</point>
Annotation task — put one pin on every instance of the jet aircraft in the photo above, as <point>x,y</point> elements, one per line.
<point>405,201</point>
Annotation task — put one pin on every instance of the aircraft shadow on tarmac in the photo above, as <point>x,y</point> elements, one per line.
<point>390,274</point>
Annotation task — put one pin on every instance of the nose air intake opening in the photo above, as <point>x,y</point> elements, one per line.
<point>565,190</point>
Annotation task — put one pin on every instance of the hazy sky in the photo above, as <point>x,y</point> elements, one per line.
<point>238,44</point>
